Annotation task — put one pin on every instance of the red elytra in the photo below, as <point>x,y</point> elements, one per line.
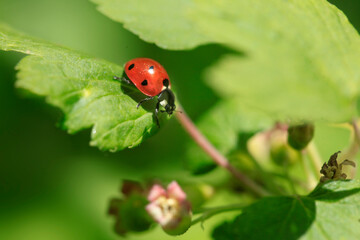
<point>147,75</point>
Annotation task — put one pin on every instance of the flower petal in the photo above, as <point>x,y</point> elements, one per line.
<point>174,191</point>
<point>156,192</point>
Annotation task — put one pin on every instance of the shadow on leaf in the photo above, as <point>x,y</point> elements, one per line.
<point>270,218</point>
<point>322,193</point>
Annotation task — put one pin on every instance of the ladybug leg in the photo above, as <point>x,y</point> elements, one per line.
<point>144,100</point>
<point>122,79</point>
<point>156,113</point>
<point>126,80</point>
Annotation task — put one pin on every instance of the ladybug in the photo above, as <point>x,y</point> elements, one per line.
<point>152,80</point>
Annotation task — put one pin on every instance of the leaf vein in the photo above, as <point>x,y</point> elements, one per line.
<point>121,123</point>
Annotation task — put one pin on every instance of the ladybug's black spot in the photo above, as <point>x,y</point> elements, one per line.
<point>166,82</point>
<point>151,68</point>
<point>131,66</point>
<point>144,83</point>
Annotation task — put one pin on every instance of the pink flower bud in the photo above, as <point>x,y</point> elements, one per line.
<point>170,208</point>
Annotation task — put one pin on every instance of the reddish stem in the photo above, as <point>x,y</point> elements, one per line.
<point>216,156</point>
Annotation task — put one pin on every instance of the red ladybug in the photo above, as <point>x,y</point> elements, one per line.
<point>152,80</point>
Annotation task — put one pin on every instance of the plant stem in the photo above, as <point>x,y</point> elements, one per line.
<point>216,156</point>
<point>314,158</point>
<point>310,179</point>
<point>267,178</point>
<point>356,132</point>
<point>291,182</point>
<point>208,213</point>
<point>353,149</point>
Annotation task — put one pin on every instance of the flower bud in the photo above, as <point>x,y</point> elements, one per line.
<point>170,208</point>
<point>300,135</point>
<point>280,151</point>
<point>129,211</point>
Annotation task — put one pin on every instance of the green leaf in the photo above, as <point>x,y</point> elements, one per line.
<point>337,211</point>
<point>294,96</point>
<point>302,56</point>
<point>271,218</point>
<point>84,89</point>
<point>222,125</point>
<point>158,21</point>
<point>331,211</point>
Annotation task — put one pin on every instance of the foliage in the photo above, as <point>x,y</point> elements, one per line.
<point>222,125</point>
<point>329,212</point>
<point>312,77</point>
<point>306,47</point>
<point>83,88</point>
<point>281,63</point>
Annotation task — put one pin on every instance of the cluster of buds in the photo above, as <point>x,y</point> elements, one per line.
<point>282,143</point>
<point>129,211</point>
<point>332,170</point>
<point>170,208</point>
<point>272,144</point>
<point>139,207</point>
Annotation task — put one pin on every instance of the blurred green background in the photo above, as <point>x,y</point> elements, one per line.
<point>52,184</point>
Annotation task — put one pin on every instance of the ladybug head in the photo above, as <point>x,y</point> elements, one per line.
<point>170,108</point>
<point>167,100</point>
